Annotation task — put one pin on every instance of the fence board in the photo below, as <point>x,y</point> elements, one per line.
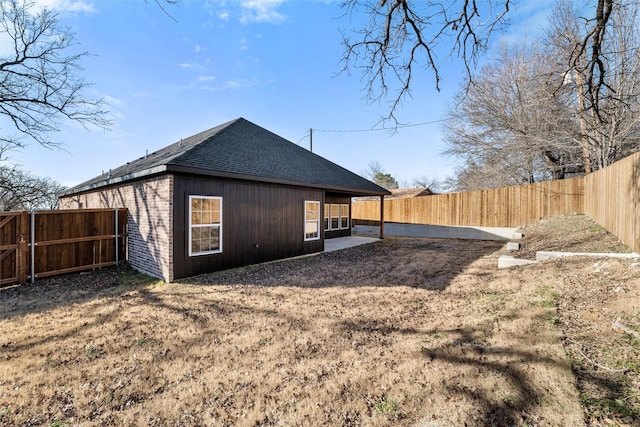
<point>609,196</point>
<point>502,207</point>
<point>614,196</point>
<point>63,241</point>
<point>9,247</point>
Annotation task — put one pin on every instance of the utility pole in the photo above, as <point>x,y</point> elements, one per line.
<point>311,139</point>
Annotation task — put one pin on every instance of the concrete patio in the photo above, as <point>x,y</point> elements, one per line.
<point>338,243</point>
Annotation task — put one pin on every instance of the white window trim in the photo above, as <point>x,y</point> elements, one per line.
<point>341,217</point>
<point>217,251</point>
<point>309,239</point>
<point>326,215</point>
<point>331,217</point>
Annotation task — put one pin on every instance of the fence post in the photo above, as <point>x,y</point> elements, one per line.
<point>23,247</point>
<point>116,233</point>
<point>33,246</point>
<point>381,217</point>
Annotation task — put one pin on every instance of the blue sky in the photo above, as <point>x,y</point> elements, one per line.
<point>273,62</point>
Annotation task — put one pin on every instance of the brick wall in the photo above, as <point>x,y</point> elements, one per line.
<point>150,221</point>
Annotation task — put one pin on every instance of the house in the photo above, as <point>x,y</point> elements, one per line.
<point>407,193</point>
<point>230,196</point>
<point>401,193</point>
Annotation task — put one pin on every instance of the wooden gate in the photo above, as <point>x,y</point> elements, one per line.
<point>14,246</point>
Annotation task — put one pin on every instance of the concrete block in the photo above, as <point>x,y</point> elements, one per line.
<point>547,255</point>
<point>438,231</point>
<point>513,246</point>
<point>506,261</point>
<point>516,236</point>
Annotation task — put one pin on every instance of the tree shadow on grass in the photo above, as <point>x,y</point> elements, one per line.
<point>68,289</point>
<point>465,347</point>
<point>420,263</point>
<point>466,350</point>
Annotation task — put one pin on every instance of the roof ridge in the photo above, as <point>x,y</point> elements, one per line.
<point>193,141</point>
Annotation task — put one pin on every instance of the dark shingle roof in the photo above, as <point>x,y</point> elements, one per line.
<point>243,150</point>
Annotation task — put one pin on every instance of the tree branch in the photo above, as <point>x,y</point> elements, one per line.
<point>38,81</point>
<point>402,35</point>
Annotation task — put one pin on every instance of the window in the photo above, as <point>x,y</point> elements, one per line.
<point>311,220</point>
<point>335,217</point>
<point>344,216</point>
<point>205,225</point>
<point>327,207</point>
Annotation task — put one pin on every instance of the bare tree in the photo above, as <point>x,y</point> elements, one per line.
<point>39,82</point>
<point>20,190</point>
<point>511,119</point>
<point>609,119</point>
<point>588,57</point>
<point>373,168</point>
<point>491,173</point>
<point>427,182</point>
<point>403,35</point>
<point>379,175</point>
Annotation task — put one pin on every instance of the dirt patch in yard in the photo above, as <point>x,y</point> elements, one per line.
<point>414,332</point>
<point>574,233</point>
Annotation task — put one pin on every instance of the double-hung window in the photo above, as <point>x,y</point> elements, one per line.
<point>205,225</point>
<point>344,216</point>
<point>311,220</point>
<point>327,210</point>
<point>336,216</point>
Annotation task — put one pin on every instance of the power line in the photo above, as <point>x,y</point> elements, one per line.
<point>379,129</point>
<point>309,134</point>
<point>300,140</point>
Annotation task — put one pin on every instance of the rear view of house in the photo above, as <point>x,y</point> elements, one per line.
<point>230,196</point>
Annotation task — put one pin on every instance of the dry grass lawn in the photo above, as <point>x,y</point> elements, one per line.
<point>414,332</point>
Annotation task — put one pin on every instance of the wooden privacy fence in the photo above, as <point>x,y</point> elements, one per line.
<point>612,199</point>
<point>609,196</point>
<point>500,207</point>
<point>45,243</point>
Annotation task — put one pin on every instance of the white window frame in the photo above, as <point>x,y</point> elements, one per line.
<point>332,217</point>
<point>327,216</point>
<point>212,224</point>
<point>340,226</point>
<point>306,221</point>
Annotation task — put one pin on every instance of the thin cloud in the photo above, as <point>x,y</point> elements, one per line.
<point>7,47</point>
<point>205,79</point>
<point>261,11</point>
<point>74,6</point>
<point>234,84</point>
<point>115,102</point>
<point>116,106</point>
<point>185,65</point>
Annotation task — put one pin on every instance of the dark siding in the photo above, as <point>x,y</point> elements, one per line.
<point>260,222</point>
<point>340,199</point>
